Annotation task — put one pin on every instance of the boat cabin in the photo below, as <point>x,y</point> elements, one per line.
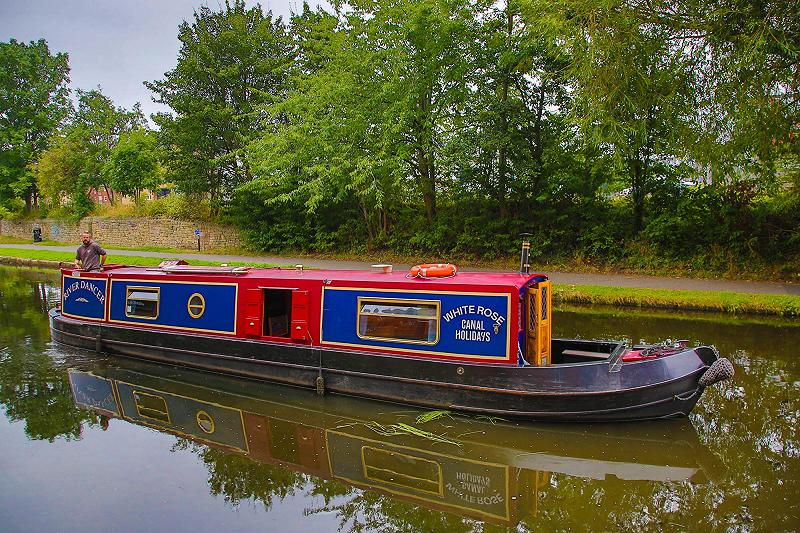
<point>499,318</point>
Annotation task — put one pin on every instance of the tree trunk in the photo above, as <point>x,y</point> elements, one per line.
<point>109,194</point>
<point>367,223</point>
<point>637,193</point>
<point>427,175</point>
<point>425,161</point>
<point>502,159</point>
<point>639,176</point>
<point>537,128</point>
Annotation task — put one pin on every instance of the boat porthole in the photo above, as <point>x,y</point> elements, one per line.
<point>196,305</point>
<point>460,371</point>
<point>205,422</point>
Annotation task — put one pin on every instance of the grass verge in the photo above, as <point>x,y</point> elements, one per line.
<point>725,302</point>
<point>69,257</point>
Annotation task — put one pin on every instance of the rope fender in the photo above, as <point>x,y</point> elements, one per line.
<point>720,370</point>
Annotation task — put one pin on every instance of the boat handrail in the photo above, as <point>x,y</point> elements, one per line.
<point>191,269</point>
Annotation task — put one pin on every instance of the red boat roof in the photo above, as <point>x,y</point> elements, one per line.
<point>369,277</point>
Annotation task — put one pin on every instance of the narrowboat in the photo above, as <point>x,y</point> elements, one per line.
<point>470,466</point>
<point>473,342</point>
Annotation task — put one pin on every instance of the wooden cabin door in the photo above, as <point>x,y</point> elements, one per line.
<point>538,335</point>
<point>299,328</point>
<point>254,303</point>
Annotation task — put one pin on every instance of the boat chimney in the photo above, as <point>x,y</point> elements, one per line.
<point>524,265</point>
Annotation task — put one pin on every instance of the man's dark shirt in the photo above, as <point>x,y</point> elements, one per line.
<point>89,255</point>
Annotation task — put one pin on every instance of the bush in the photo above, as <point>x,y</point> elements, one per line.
<point>13,209</point>
<point>690,223</point>
<point>178,206</point>
<point>118,210</point>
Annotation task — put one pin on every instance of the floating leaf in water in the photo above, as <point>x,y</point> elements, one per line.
<point>492,419</point>
<point>432,415</point>
<point>405,429</point>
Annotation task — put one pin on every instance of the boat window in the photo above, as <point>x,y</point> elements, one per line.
<point>142,302</point>
<point>151,406</point>
<point>413,321</point>
<point>196,305</point>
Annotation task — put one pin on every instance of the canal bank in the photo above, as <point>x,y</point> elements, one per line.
<point>727,296</point>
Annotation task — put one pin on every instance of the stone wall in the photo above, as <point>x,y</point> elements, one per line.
<point>129,232</point>
<point>54,230</point>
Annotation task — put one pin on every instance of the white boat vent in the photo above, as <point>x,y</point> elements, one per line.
<point>382,269</point>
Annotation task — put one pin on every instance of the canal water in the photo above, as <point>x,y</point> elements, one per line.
<point>90,443</point>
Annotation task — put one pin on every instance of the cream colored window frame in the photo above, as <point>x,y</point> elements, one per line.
<point>129,289</point>
<point>395,302</point>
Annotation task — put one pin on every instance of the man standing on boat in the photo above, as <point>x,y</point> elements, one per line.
<point>90,254</point>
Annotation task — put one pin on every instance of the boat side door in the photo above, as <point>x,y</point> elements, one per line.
<point>538,335</point>
<point>277,312</point>
<point>299,316</point>
<point>253,311</point>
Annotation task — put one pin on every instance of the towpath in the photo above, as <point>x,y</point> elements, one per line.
<point>563,278</point>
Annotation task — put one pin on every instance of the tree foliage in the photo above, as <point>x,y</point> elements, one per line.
<point>713,83</point>
<point>97,127</point>
<point>34,100</point>
<point>230,63</point>
<point>78,160</point>
<point>58,172</point>
<point>621,131</point>
<point>133,163</point>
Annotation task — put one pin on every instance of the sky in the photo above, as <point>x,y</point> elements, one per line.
<point>116,44</point>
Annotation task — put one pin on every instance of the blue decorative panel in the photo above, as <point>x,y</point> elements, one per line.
<point>84,297</point>
<point>471,325</point>
<point>93,392</point>
<point>219,311</point>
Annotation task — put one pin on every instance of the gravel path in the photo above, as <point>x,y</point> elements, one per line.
<point>564,278</point>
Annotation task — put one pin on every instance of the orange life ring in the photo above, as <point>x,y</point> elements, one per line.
<point>433,270</point>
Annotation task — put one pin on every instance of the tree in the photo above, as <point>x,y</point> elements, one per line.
<point>34,101</point>
<point>230,63</point>
<point>747,55</point>
<point>712,82</point>
<point>514,114</point>
<point>369,119</point>
<point>74,162</point>
<point>97,126</point>
<point>425,46</point>
<point>59,172</point>
<point>638,103</point>
<point>330,145</point>
<point>133,164</point>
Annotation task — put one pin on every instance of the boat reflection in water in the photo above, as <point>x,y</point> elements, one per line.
<point>486,469</point>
